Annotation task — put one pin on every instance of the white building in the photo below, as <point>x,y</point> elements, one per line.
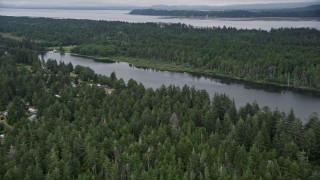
<point>32,110</point>
<point>32,117</point>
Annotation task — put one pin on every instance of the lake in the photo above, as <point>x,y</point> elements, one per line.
<point>283,100</point>
<point>121,15</point>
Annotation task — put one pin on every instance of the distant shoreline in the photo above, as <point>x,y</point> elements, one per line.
<point>266,24</point>
<point>304,12</point>
<point>200,7</point>
<point>247,19</point>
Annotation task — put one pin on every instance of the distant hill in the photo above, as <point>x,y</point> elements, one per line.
<point>313,7</point>
<point>71,7</point>
<point>265,6</point>
<point>309,11</point>
<point>261,6</point>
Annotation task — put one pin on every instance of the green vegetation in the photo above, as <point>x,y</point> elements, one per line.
<point>80,132</point>
<point>63,49</point>
<point>286,57</point>
<point>178,67</point>
<point>10,36</point>
<point>311,11</point>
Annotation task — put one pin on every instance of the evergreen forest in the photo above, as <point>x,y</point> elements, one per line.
<point>283,57</point>
<point>306,12</point>
<point>82,132</point>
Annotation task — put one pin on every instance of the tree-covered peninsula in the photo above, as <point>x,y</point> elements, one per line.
<point>306,12</point>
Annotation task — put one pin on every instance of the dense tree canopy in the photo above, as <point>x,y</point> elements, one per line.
<point>139,133</point>
<point>311,11</point>
<point>289,57</point>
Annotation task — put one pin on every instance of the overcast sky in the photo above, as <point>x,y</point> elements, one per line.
<point>142,2</point>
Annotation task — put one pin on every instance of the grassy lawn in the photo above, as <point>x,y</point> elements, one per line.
<point>67,49</point>
<point>28,67</point>
<point>3,120</point>
<point>17,38</point>
<point>139,62</point>
<point>73,74</point>
<point>11,36</point>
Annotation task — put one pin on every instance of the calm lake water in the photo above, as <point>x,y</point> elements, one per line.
<point>303,105</point>
<point>120,15</point>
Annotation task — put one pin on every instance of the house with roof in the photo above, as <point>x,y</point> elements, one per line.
<point>1,138</point>
<point>33,113</point>
<point>5,113</point>
<point>73,85</point>
<point>108,90</point>
<point>32,110</point>
<point>32,117</point>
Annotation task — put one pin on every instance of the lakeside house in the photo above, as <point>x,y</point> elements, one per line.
<point>3,115</point>
<point>33,113</point>
<point>32,117</point>
<point>1,138</point>
<point>108,90</point>
<point>73,85</point>
<point>57,96</point>
<point>32,110</point>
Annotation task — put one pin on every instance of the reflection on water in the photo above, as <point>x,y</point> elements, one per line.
<point>121,15</point>
<point>242,93</point>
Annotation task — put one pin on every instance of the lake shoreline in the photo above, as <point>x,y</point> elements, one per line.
<point>140,63</point>
<point>241,92</point>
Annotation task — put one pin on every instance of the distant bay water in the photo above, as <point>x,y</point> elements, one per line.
<point>123,15</point>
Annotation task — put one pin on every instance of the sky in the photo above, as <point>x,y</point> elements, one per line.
<point>141,2</point>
